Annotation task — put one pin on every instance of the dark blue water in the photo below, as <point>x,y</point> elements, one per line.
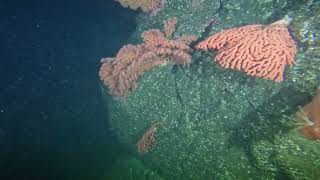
<point>52,118</point>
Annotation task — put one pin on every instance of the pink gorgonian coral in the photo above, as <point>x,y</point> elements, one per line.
<point>121,73</point>
<point>148,140</point>
<point>258,50</point>
<point>145,5</point>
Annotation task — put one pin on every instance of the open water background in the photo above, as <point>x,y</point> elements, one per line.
<point>52,118</point>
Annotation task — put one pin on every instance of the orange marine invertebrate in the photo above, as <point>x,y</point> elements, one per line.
<point>148,140</point>
<point>309,115</point>
<point>121,73</point>
<point>161,43</point>
<point>145,5</point>
<point>258,50</point>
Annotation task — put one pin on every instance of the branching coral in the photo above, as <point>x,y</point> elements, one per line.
<point>121,73</point>
<point>145,5</point>
<point>159,43</point>
<point>258,50</point>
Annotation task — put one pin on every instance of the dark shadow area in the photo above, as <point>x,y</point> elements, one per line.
<point>53,119</point>
<point>266,121</point>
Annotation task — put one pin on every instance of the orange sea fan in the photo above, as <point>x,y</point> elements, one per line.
<point>148,140</point>
<point>121,73</point>
<point>162,44</point>
<point>258,50</point>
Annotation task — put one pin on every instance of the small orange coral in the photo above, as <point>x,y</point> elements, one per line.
<point>258,50</point>
<point>310,114</point>
<point>145,5</point>
<point>148,140</point>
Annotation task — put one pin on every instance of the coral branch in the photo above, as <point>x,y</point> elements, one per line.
<point>169,27</point>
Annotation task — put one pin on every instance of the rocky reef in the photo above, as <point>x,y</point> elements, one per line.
<point>218,123</point>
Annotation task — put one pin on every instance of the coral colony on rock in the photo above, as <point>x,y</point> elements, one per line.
<point>258,50</point>
<point>150,6</point>
<point>121,73</point>
<point>230,118</point>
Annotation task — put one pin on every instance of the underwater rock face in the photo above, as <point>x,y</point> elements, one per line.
<point>202,117</point>
<point>306,24</point>
<point>219,124</point>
